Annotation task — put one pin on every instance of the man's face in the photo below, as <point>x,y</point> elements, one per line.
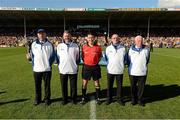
<point>115,39</point>
<point>66,37</point>
<point>41,35</point>
<point>90,39</point>
<point>138,41</point>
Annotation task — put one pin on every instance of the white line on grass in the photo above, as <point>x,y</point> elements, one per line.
<point>92,108</point>
<point>165,55</point>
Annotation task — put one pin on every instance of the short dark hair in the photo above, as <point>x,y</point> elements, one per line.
<point>114,34</point>
<point>90,33</point>
<point>66,31</point>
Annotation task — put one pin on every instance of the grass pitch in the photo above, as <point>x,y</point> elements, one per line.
<point>162,92</point>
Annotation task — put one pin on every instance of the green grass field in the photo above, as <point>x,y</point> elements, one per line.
<point>162,92</point>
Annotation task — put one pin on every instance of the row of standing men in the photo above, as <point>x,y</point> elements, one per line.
<point>67,55</point>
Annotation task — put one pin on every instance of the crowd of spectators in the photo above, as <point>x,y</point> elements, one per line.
<point>158,40</point>
<point>9,41</point>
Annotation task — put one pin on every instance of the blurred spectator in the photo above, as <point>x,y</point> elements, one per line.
<point>158,38</point>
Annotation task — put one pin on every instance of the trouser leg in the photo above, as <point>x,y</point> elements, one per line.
<point>47,85</point>
<point>64,87</point>
<point>110,81</point>
<point>141,86</point>
<point>119,81</point>
<point>38,81</point>
<point>133,82</point>
<point>73,86</point>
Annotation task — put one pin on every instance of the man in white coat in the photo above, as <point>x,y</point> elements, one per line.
<point>68,58</point>
<point>115,56</point>
<point>138,58</point>
<point>43,55</point>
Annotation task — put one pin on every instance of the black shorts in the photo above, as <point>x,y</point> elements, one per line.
<point>91,71</point>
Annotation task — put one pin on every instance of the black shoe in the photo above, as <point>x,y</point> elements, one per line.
<point>83,101</point>
<point>47,102</point>
<point>121,103</point>
<point>133,103</point>
<point>36,103</point>
<point>74,102</point>
<point>98,102</point>
<point>108,102</point>
<point>64,102</point>
<point>141,104</point>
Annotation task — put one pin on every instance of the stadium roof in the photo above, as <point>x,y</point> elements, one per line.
<point>158,15</point>
<point>90,13</point>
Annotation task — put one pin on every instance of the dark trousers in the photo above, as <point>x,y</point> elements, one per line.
<point>46,76</point>
<point>137,87</point>
<point>110,81</point>
<point>73,86</point>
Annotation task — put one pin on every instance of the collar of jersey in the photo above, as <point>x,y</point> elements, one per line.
<point>38,42</point>
<point>70,43</point>
<point>138,49</point>
<point>117,47</point>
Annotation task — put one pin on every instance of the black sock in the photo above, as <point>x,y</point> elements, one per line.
<point>98,93</point>
<point>84,92</point>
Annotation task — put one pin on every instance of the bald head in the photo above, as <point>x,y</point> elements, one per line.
<point>138,41</point>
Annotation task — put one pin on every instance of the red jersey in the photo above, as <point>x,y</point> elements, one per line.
<point>91,55</point>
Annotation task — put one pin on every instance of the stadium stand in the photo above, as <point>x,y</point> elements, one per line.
<point>159,26</point>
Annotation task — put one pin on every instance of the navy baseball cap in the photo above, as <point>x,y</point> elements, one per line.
<point>41,30</point>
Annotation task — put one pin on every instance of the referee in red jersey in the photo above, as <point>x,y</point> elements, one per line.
<point>91,55</point>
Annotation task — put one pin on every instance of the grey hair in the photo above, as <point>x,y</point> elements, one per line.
<point>138,37</point>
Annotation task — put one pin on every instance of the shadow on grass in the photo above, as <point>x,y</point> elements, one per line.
<point>2,92</point>
<point>160,92</point>
<point>56,99</point>
<point>13,101</point>
<point>152,93</point>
